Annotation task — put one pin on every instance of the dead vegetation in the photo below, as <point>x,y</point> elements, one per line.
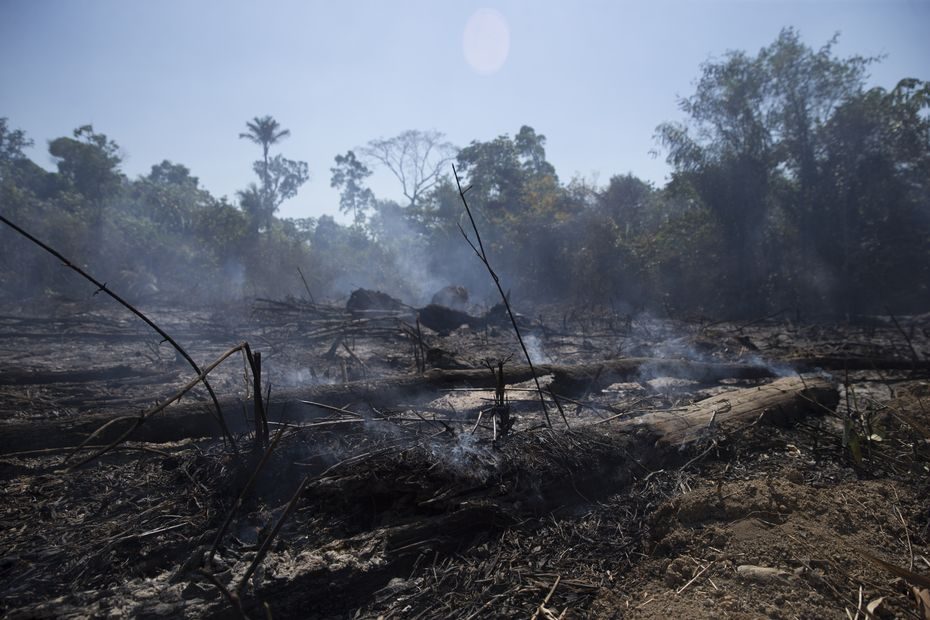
<point>692,471</point>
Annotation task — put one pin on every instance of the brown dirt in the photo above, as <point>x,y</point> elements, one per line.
<point>416,511</point>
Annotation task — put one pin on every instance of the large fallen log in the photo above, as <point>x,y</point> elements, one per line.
<point>781,402</point>
<point>38,377</point>
<point>192,419</point>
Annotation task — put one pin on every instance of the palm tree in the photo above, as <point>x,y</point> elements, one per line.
<point>265,131</point>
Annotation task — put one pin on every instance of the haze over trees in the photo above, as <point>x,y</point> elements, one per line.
<point>793,186</point>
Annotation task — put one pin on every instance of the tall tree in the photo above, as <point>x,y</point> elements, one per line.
<point>15,168</point>
<point>873,198</point>
<point>264,131</point>
<point>752,132</point>
<point>417,158</point>
<point>626,201</point>
<point>349,175</point>
<point>280,177</point>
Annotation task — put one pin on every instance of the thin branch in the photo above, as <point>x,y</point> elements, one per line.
<point>146,415</point>
<point>101,286</point>
<point>238,503</point>
<point>482,255</point>
<point>266,544</point>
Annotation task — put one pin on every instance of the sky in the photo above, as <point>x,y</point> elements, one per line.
<point>179,79</point>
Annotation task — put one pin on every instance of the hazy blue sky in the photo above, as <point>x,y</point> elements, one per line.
<point>178,79</point>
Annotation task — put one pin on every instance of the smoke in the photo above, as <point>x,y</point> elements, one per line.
<point>669,343</point>
<point>467,456</point>
<point>535,349</point>
<point>419,267</point>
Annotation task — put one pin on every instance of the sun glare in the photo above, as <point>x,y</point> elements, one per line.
<point>486,41</point>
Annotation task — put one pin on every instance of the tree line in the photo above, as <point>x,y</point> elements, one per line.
<point>793,186</point>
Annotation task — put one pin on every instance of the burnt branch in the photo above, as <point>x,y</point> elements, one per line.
<point>139,420</point>
<point>483,257</point>
<point>101,286</point>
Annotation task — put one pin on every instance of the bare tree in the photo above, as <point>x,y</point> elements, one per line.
<point>417,158</point>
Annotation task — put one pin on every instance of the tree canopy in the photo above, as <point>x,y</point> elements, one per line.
<point>794,185</point>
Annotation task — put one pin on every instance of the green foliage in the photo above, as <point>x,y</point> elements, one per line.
<point>683,264</point>
<point>12,144</point>
<point>280,177</point>
<point>169,196</point>
<point>349,176</point>
<point>793,186</point>
<point>788,137</point>
<point>88,163</point>
<point>501,174</point>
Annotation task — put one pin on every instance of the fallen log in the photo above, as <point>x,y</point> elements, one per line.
<point>38,377</point>
<point>191,419</point>
<point>779,403</point>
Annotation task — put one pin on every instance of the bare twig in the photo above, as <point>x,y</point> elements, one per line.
<point>306,286</point>
<point>231,597</point>
<point>907,534</point>
<point>266,544</point>
<point>421,357</point>
<point>906,336</point>
<point>261,420</point>
<point>693,579</point>
<point>248,487</point>
<point>144,416</point>
<point>331,408</point>
<point>555,399</point>
<point>483,257</point>
<point>542,606</point>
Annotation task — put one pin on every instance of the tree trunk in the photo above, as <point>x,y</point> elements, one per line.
<point>194,420</point>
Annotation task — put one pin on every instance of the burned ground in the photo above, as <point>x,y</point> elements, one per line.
<point>408,503</point>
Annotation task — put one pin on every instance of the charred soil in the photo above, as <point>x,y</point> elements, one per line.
<point>680,469</point>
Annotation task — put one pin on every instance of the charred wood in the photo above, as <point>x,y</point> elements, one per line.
<point>192,420</point>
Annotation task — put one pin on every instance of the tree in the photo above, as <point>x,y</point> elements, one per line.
<point>531,149</point>
<point>515,190</point>
<point>626,201</point>
<point>170,196</point>
<point>88,162</point>
<point>285,176</point>
<point>12,144</point>
<point>280,177</point>
<point>751,142</point>
<point>509,177</point>
<point>264,132</point>
<point>348,177</point>
<point>252,203</point>
<point>18,171</point>
<point>170,173</point>
<point>872,190</point>
<point>417,158</point>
